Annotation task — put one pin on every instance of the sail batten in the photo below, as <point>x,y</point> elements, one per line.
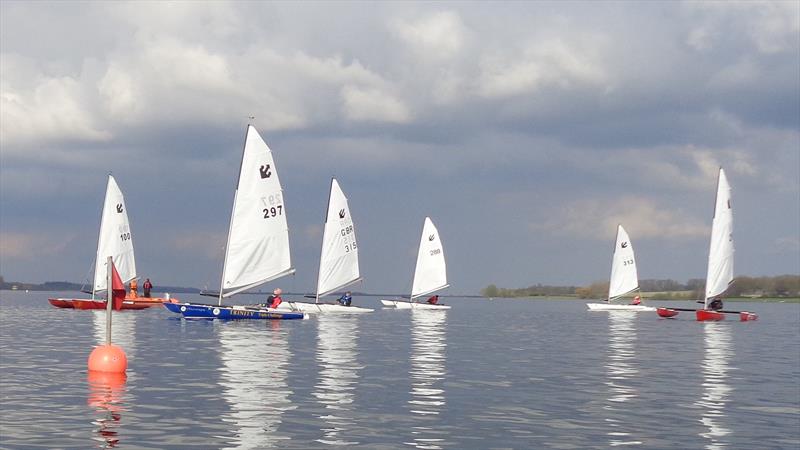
<point>338,263</point>
<point>430,274</point>
<point>624,277</point>
<point>257,249</point>
<point>340,287</point>
<point>115,239</point>
<point>257,283</point>
<point>430,291</point>
<point>721,248</point>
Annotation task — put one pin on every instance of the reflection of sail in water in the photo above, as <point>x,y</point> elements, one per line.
<point>715,389</point>
<point>621,369</point>
<point>123,330</point>
<point>254,371</point>
<point>107,396</point>
<point>427,372</point>
<point>336,353</point>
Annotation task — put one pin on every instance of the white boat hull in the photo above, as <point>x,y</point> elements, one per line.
<point>402,304</point>
<point>618,307</point>
<point>321,308</point>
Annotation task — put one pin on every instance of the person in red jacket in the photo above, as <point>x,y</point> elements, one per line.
<point>275,299</point>
<point>433,300</point>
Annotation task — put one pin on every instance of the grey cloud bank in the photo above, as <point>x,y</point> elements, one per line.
<point>527,131</point>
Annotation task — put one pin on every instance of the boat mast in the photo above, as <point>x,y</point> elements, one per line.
<point>230,223</point>
<point>713,216</point>
<point>322,247</point>
<point>97,252</point>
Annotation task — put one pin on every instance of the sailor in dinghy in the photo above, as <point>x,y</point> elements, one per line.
<point>257,248</point>
<point>430,273</point>
<point>624,278</point>
<point>338,259</point>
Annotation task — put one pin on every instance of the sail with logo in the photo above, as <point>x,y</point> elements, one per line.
<point>338,261</point>
<point>114,240</point>
<point>257,249</point>
<point>430,274</point>
<point>624,278</point>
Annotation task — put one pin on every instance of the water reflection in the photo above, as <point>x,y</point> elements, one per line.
<point>123,330</point>
<point>620,370</point>
<point>254,381</point>
<point>427,372</point>
<point>336,354</point>
<point>107,396</point>
<point>716,390</point>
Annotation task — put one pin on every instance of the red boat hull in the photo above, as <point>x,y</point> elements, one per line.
<point>666,312</point>
<point>745,316</point>
<point>128,303</point>
<point>705,314</point>
<point>61,302</point>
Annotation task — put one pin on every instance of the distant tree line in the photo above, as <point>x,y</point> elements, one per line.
<point>766,287</point>
<point>538,290</point>
<point>69,286</point>
<point>47,286</point>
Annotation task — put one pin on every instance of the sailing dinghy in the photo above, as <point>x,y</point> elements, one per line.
<point>115,240</point>
<point>430,274</point>
<point>720,259</point>
<point>624,279</point>
<point>338,262</point>
<point>257,249</point>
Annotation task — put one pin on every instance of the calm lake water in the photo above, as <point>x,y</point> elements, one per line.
<point>485,374</point>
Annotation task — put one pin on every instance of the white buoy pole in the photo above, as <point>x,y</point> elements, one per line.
<point>110,299</point>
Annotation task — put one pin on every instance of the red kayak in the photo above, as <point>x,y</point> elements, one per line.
<point>666,312</point>
<point>707,314</point>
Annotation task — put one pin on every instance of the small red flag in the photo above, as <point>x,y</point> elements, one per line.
<point>117,288</point>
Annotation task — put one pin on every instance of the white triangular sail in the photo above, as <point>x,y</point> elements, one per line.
<point>720,252</point>
<point>115,239</point>
<point>430,274</point>
<point>624,278</point>
<point>338,264</point>
<point>258,240</point>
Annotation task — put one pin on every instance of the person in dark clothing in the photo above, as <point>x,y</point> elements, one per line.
<point>147,286</point>
<point>433,300</point>
<point>715,304</point>
<point>346,299</point>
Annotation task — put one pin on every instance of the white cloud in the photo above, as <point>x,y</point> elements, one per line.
<point>771,26</point>
<point>32,245</point>
<point>551,62</point>
<point>643,218</point>
<point>436,35</point>
<point>45,110</point>
<point>373,105</point>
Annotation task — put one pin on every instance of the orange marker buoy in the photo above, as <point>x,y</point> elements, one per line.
<point>108,358</point>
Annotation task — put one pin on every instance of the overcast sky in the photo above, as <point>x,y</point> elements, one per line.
<point>526,130</point>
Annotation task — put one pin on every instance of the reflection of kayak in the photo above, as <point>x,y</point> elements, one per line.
<point>128,303</point>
